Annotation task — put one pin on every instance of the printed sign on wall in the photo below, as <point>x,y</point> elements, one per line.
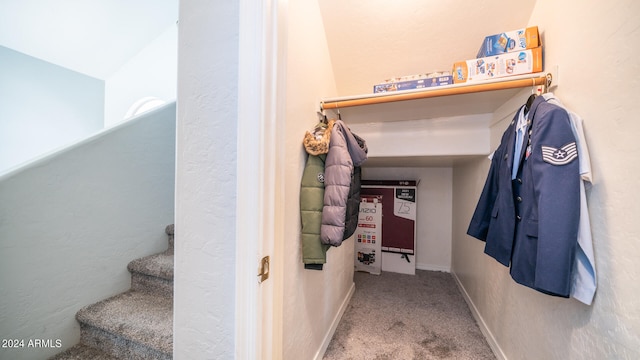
<point>405,203</point>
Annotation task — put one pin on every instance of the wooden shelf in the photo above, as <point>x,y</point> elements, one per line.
<point>447,90</point>
<point>437,102</point>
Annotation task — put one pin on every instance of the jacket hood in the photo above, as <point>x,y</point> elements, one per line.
<point>356,145</point>
<point>315,146</point>
<point>361,142</point>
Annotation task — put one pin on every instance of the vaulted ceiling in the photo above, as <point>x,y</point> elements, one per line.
<point>369,41</point>
<point>93,37</point>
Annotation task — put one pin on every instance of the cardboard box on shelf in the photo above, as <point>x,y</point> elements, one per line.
<point>510,41</point>
<point>414,82</point>
<point>503,65</point>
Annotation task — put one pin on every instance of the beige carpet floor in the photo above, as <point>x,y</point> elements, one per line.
<point>396,316</point>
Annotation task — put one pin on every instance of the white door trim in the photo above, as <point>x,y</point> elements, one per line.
<point>258,335</point>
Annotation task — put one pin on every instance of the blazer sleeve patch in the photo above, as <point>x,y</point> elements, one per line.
<point>560,156</point>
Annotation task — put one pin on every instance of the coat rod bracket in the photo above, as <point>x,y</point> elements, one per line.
<point>552,77</point>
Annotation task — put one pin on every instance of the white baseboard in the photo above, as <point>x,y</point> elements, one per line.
<point>334,324</point>
<point>430,267</point>
<point>493,344</point>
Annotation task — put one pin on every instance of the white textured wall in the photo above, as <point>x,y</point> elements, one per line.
<point>151,72</point>
<point>434,211</point>
<point>596,50</point>
<point>459,135</point>
<point>72,221</point>
<point>205,233</point>
<point>43,107</point>
<point>312,299</point>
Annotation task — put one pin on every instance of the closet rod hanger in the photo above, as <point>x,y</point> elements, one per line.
<point>543,79</point>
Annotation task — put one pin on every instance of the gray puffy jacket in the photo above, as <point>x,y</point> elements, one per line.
<point>345,152</point>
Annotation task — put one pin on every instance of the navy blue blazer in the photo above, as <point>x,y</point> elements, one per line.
<point>531,223</point>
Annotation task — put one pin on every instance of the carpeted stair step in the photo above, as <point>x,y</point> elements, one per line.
<point>132,325</point>
<point>153,274</point>
<point>137,324</point>
<point>83,352</point>
<point>169,230</point>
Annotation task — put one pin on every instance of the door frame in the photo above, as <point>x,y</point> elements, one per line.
<point>260,165</point>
